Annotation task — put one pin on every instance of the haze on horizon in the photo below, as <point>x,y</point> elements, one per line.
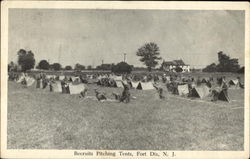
<point>84,36</point>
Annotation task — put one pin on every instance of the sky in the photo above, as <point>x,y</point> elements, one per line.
<point>88,36</point>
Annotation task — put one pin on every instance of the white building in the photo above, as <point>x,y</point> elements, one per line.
<point>170,66</point>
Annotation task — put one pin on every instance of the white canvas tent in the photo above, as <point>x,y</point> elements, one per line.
<point>134,84</point>
<point>183,90</point>
<point>76,89</point>
<point>57,87</point>
<point>61,78</point>
<point>145,86</point>
<point>201,91</point>
<point>119,84</point>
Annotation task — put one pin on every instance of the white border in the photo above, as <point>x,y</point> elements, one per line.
<point>5,5</point>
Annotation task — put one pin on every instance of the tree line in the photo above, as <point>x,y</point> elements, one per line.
<point>149,55</point>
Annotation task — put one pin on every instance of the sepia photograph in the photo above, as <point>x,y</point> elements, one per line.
<point>126,79</point>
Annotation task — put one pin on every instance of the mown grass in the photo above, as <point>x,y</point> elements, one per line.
<point>38,119</point>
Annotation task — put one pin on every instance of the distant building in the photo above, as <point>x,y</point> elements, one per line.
<point>170,66</point>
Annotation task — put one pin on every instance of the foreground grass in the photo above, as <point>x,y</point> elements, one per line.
<point>38,119</point>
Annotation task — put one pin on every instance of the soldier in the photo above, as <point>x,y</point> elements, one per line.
<point>224,87</point>
<point>83,93</point>
<point>38,81</point>
<point>159,91</point>
<point>51,89</point>
<point>100,96</point>
<point>24,83</point>
<point>125,97</point>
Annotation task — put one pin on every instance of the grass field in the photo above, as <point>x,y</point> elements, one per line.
<point>38,119</point>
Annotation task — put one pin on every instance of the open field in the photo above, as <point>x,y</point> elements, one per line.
<point>39,119</point>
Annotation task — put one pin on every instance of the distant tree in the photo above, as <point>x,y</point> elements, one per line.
<point>104,67</point>
<point>68,68</point>
<point>121,67</point>
<point>178,69</point>
<point>241,70</point>
<point>226,64</point>
<point>79,67</point>
<point>210,68</point>
<point>43,64</point>
<point>149,54</point>
<point>26,59</point>
<point>89,67</point>
<point>56,66</point>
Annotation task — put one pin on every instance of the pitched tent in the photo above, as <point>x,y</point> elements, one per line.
<point>234,83</point>
<point>119,84</point>
<point>183,90</point>
<point>21,78</point>
<point>145,86</point>
<point>134,84</point>
<point>223,96</point>
<point>76,89</point>
<point>30,81</point>
<point>201,91</point>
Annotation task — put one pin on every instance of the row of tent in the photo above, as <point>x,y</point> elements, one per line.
<point>68,88</point>
<point>136,85</point>
<point>117,82</point>
<point>53,86</point>
<point>202,92</point>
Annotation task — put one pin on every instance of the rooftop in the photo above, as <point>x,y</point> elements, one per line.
<point>174,62</point>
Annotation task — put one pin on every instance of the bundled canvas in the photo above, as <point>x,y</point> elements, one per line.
<point>61,78</point>
<point>183,90</point>
<point>76,89</point>
<point>30,81</point>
